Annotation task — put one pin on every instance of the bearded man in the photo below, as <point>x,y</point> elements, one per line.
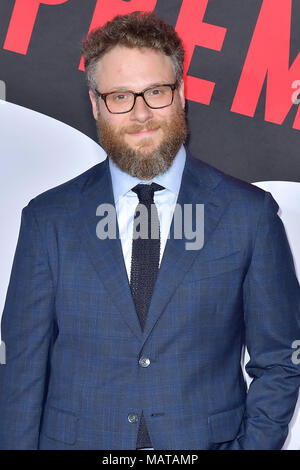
<point>135,341</point>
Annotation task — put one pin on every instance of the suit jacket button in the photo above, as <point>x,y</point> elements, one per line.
<point>144,362</point>
<point>133,418</point>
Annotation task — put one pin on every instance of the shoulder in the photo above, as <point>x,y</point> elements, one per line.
<point>229,188</point>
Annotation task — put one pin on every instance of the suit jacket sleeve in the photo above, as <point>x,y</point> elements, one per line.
<point>272,323</point>
<point>26,329</point>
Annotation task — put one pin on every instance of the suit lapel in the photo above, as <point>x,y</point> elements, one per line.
<point>195,189</point>
<point>106,255</point>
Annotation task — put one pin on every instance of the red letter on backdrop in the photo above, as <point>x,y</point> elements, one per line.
<point>269,55</point>
<point>105,10</point>
<point>22,22</point>
<point>194,32</point>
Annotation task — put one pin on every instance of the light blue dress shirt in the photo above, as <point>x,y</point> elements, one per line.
<point>126,201</point>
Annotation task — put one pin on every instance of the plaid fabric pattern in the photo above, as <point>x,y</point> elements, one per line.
<point>73,339</point>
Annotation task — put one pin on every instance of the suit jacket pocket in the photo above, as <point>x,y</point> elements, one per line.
<point>211,267</point>
<point>227,425</point>
<point>60,425</point>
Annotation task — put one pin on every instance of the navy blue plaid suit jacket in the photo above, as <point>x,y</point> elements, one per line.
<point>73,339</point>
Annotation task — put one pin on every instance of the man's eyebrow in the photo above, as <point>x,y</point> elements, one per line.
<point>123,88</point>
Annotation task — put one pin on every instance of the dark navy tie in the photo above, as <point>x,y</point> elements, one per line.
<point>144,266</point>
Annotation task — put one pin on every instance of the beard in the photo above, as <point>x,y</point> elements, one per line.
<point>143,162</point>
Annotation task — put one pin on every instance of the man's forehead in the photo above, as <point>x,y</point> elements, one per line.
<point>126,52</point>
<point>125,67</point>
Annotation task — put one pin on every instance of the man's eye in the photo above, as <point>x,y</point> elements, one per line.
<point>120,97</point>
<point>156,91</point>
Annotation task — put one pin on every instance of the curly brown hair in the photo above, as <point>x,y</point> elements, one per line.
<point>138,29</point>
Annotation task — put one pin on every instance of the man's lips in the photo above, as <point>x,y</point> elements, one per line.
<point>143,132</point>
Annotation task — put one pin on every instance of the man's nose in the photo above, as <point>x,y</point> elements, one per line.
<point>141,112</point>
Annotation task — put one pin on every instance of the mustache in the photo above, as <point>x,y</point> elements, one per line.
<point>150,126</point>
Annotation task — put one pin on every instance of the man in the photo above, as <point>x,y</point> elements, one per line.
<point>128,342</point>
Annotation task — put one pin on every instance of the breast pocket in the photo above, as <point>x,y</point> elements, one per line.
<point>206,268</point>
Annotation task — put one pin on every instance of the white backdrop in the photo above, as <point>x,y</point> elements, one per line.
<point>37,153</point>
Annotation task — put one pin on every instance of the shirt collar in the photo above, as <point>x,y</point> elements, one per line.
<point>123,182</point>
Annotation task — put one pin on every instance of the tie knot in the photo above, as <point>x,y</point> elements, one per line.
<point>145,192</point>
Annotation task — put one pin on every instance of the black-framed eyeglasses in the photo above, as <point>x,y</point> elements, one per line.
<point>156,97</point>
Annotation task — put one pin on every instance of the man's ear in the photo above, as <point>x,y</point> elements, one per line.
<point>94,104</point>
<point>181,93</point>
